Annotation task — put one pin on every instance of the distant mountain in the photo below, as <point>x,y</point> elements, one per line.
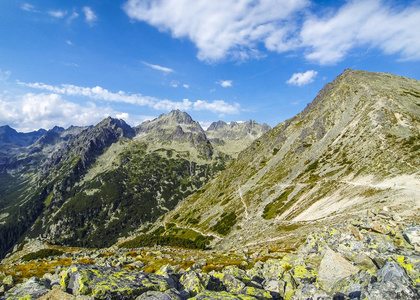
<point>233,137</point>
<point>356,146</point>
<point>10,137</point>
<point>178,131</point>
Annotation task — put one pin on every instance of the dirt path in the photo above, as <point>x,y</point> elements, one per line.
<point>195,230</point>
<point>244,204</point>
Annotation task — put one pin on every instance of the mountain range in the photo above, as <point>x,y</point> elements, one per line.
<point>323,206</point>
<point>88,186</point>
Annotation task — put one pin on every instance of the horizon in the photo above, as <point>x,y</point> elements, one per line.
<point>77,63</point>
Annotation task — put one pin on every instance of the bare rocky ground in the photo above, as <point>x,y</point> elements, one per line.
<point>375,256</point>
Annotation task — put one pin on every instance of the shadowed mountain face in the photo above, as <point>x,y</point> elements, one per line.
<point>88,186</point>
<point>356,146</point>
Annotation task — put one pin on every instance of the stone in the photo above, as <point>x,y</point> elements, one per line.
<point>392,271</point>
<point>34,287</point>
<point>107,282</point>
<point>155,295</point>
<point>192,283</point>
<point>57,295</point>
<point>209,295</point>
<point>412,235</point>
<point>334,267</point>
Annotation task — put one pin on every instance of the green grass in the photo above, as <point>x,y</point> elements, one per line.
<point>148,240</point>
<point>274,208</point>
<point>225,224</point>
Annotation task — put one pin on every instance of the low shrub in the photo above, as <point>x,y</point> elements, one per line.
<point>43,253</point>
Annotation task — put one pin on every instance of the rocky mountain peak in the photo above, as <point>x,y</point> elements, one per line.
<point>217,125</point>
<point>117,124</point>
<point>180,117</point>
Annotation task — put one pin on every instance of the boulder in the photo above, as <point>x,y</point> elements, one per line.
<point>333,268</point>
<point>33,288</point>
<point>412,235</point>
<point>192,283</point>
<point>107,282</point>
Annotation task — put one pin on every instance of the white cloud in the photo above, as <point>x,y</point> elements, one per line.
<point>237,29</point>
<point>4,75</point>
<point>90,16</point>
<point>219,29</point>
<point>205,124</point>
<point>186,86</point>
<point>68,42</point>
<point>73,16</point>
<point>101,94</point>
<point>159,68</point>
<point>217,106</point>
<point>363,23</point>
<point>28,7</point>
<point>33,111</point>
<point>225,83</point>
<point>57,13</point>
<point>301,79</point>
<point>174,84</point>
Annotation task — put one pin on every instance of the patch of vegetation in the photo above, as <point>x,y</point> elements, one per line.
<point>312,166</point>
<point>148,240</point>
<point>225,224</point>
<point>43,253</point>
<point>275,150</point>
<point>273,208</point>
<point>37,269</point>
<point>412,93</point>
<point>194,221</point>
<point>369,192</point>
<point>20,248</point>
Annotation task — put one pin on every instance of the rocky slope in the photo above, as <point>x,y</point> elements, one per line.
<point>355,146</point>
<point>374,257</point>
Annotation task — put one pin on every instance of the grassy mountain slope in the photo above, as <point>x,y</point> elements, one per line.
<point>354,147</point>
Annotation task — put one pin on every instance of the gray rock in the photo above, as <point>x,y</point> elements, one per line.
<point>34,287</point>
<point>412,235</point>
<point>392,271</point>
<point>390,291</point>
<point>155,295</point>
<point>333,268</point>
<point>110,283</point>
<point>192,283</point>
<point>209,295</point>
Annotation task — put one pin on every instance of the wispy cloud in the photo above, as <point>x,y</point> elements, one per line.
<point>57,13</point>
<point>4,75</point>
<point>159,68</point>
<point>301,79</point>
<point>73,16</point>
<point>234,29</point>
<point>90,16</point>
<point>186,86</point>
<point>225,83</point>
<point>28,7</point>
<point>101,94</point>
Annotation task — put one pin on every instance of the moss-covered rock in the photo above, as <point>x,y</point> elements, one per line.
<point>107,282</point>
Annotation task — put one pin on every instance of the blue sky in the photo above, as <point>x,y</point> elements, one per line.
<point>75,62</point>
